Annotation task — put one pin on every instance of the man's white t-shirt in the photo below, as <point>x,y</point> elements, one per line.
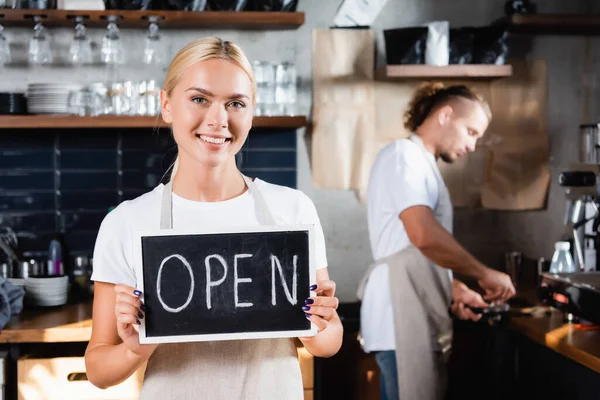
<point>113,258</point>
<point>401,178</point>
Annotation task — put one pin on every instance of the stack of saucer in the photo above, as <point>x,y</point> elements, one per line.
<point>50,98</point>
<point>46,291</point>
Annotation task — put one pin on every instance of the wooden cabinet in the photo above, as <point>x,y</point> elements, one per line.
<point>64,378</point>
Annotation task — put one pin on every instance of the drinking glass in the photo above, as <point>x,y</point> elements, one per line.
<point>112,48</point>
<point>39,45</point>
<point>153,52</point>
<point>5,57</point>
<point>285,88</point>
<point>80,50</point>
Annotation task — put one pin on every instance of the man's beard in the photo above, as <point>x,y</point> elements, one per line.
<point>446,158</point>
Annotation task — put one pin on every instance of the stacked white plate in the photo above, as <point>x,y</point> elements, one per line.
<point>50,98</point>
<point>47,291</point>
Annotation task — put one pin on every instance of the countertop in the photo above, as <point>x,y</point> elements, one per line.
<point>569,340</point>
<point>67,323</point>
<point>73,323</point>
<point>566,339</point>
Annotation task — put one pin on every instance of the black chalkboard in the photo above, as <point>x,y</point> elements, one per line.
<point>225,285</point>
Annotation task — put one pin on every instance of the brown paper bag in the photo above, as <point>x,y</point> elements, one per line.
<point>518,176</point>
<point>343,125</point>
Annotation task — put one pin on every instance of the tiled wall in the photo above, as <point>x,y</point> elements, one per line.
<point>66,180</point>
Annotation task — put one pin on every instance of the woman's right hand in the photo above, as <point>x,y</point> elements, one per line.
<point>129,310</point>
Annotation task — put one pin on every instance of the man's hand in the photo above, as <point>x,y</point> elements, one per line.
<point>462,296</point>
<point>497,285</point>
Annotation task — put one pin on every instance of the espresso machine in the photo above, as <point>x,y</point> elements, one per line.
<point>582,216</point>
<point>578,293</point>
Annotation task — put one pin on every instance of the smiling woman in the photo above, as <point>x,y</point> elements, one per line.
<point>208,99</point>
<point>189,99</point>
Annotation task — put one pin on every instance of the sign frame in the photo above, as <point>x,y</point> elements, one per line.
<point>266,334</point>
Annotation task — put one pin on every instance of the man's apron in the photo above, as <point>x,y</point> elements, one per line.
<point>223,370</point>
<point>421,295</point>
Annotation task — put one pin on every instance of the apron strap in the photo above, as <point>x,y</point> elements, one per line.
<point>263,214</point>
<point>166,209</point>
<point>363,282</point>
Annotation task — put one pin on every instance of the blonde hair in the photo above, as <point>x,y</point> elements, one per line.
<point>202,50</point>
<point>430,96</point>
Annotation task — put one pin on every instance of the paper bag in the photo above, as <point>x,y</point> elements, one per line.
<point>343,123</point>
<point>518,176</point>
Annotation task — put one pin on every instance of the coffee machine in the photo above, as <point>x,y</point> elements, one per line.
<point>582,216</point>
<point>582,191</point>
<point>578,293</point>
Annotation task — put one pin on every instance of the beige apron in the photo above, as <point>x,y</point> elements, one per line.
<point>223,370</point>
<point>421,295</point>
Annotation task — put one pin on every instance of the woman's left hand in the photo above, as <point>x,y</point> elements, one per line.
<point>320,309</point>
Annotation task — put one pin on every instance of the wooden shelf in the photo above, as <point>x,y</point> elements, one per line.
<point>553,24</point>
<point>168,19</point>
<point>117,121</point>
<point>458,71</point>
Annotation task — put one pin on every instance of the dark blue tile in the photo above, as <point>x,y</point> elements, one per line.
<point>284,178</point>
<point>70,159</point>
<point>147,160</point>
<point>81,242</point>
<point>87,196</point>
<point>141,180</point>
<point>271,138</point>
<point>88,181</point>
<point>23,159</point>
<point>33,243</point>
<point>27,201</point>
<point>268,159</point>
<point>26,181</point>
<point>88,139</point>
<point>81,221</point>
<point>80,200</point>
<point>130,194</point>
<point>148,139</point>
<point>26,139</point>
<point>28,221</point>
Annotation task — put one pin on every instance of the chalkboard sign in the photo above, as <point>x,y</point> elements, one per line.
<point>248,283</point>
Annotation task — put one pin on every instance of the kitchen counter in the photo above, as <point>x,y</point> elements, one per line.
<point>68,323</point>
<point>581,346</point>
<point>72,323</point>
<point>566,339</point>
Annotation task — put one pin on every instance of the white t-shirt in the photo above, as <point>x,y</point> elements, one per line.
<point>113,258</point>
<point>401,178</point>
